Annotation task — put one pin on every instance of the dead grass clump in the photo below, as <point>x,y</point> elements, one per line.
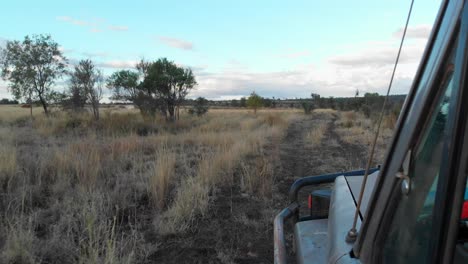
<point>215,168</point>
<point>80,161</point>
<point>274,120</point>
<point>350,115</point>
<point>19,245</point>
<point>257,177</point>
<point>117,124</point>
<point>99,243</point>
<point>192,199</point>
<point>356,135</point>
<point>389,121</point>
<point>48,126</point>
<point>249,124</point>
<point>122,146</point>
<point>325,113</point>
<point>317,133</point>
<point>162,177</point>
<point>348,119</point>
<point>7,162</point>
<point>362,132</point>
<point>8,137</point>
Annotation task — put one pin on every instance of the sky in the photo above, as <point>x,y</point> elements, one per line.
<point>281,49</point>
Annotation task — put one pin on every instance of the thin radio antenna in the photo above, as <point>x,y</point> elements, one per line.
<point>352,233</point>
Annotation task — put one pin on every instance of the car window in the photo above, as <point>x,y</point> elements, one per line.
<point>409,235</point>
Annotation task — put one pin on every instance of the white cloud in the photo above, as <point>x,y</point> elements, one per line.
<point>118,28</point>
<point>95,54</point>
<point>418,31</point>
<point>95,30</point>
<point>64,18</point>
<point>73,21</point>
<point>118,64</point>
<point>65,50</point>
<point>95,25</point>
<point>3,42</point>
<point>367,68</point>
<point>379,55</point>
<point>176,43</point>
<point>4,90</point>
<point>295,55</point>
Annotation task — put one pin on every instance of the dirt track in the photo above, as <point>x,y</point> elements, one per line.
<point>238,229</point>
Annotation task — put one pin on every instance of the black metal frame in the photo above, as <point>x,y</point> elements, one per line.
<point>280,253</point>
<point>451,192</point>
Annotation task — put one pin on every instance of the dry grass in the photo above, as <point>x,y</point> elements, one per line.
<point>7,161</point>
<point>256,177</point>
<point>14,113</point>
<point>84,186</point>
<point>163,176</point>
<point>80,162</point>
<point>355,128</point>
<point>19,244</point>
<point>228,151</point>
<point>316,134</point>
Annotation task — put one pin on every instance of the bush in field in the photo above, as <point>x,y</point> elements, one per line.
<point>366,110</point>
<point>200,107</point>
<point>234,103</point>
<point>308,107</point>
<point>243,102</point>
<point>254,101</point>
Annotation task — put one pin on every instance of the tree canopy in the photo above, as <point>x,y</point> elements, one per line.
<point>31,67</point>
<point>161,84</point>
<point>86,85</point>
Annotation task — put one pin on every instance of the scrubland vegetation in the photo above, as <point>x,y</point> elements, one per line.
<point>84,183</point>
<point>75,190</point>
<point>90,190</point>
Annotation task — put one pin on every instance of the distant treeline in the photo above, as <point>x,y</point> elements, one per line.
<point>6,101</point>
<point>368,103</point>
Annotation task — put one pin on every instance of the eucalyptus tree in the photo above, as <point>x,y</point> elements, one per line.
<point>127,86</point>
<point>87,80</point>
<point>31,67</point>
<point>159,85</point>
<point>171,84</point>
<point>254,101</point>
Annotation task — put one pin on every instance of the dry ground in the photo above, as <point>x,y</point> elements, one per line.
<point>128,190</point>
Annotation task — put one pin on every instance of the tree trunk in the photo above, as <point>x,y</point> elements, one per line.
<point>96,110</point>
<point>44,104</point>
<point>178,112</point>
<point>171,113</point>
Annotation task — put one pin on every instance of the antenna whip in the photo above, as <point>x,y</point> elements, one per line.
<point>352,233</point>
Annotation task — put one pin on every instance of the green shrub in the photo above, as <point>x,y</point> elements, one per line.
<point>308,107</point>
<point>200,107</point>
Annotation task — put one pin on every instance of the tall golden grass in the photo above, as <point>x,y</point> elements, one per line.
<point>162,177</point>
<point>99,175</point>
<point>316,134</point>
